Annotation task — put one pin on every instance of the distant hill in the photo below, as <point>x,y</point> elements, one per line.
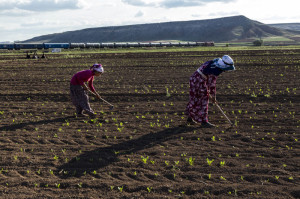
<point>287,26</point>
<point>217,30</point>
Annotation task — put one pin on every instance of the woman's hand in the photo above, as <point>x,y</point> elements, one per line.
<point>85,87</point>
<point>213,99</point>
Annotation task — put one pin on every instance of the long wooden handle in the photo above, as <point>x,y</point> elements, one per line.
<point>106,101</point>
<point>223,113</point>
<point>221,110</point>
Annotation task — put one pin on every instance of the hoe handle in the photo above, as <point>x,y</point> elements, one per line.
<point>106,101</point>
<point>221,111</point>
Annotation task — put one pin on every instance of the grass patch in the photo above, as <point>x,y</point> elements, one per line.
<point>218,47</point>
<point>269,39</point>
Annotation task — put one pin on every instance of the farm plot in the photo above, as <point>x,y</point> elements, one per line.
<point>142,149</point>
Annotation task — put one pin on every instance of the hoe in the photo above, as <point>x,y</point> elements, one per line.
<point>222,112</point>
<point>111,106</point>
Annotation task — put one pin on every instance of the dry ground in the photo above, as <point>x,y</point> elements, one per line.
<point>142,148</point>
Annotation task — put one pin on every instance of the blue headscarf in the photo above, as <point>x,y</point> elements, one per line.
<point>225,63</point>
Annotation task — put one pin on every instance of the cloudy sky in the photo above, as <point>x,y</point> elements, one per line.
<point>24,19</point>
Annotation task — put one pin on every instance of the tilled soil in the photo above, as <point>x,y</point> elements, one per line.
<point>143,147</point>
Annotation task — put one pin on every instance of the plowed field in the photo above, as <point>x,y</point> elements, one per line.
<point>142,148</point>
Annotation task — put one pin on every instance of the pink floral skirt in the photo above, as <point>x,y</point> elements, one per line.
<point>197,107</point>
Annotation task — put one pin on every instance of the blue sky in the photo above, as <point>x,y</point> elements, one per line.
<point>24,19</point>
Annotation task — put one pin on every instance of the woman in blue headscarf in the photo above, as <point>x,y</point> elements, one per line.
<point>203,86</point>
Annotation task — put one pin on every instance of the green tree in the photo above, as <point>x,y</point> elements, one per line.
<point>259,42</point>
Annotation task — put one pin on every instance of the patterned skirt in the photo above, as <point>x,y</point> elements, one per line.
<point>197,107</point>
<point>80,99</point>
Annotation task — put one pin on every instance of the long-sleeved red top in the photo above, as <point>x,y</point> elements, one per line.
<point>84,76</point>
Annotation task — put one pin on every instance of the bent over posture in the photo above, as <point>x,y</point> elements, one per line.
<point>79,90</point>
<point>203,86</point>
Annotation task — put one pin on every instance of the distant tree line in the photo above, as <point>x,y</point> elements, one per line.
<point>259,42</point>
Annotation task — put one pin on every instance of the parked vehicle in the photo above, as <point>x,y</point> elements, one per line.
<point>7,46</point>
<point>20,46</point>
<point>56,45</point>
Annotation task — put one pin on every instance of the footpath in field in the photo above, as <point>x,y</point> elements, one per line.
<point>141,148</point>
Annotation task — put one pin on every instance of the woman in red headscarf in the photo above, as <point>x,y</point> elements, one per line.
<point>79,90</point>
<point>203,86</point>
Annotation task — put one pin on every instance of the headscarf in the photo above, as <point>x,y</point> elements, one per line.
<point>98,68</point>
<point>225,63</point>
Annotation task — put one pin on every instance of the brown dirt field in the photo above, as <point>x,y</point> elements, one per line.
<point>142,148</point>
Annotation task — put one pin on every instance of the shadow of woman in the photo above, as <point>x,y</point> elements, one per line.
<point>105,156</point>
<point>14,127</point>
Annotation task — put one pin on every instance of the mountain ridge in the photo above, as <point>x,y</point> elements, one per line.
<point>218,30</point>
<point>288,26</point>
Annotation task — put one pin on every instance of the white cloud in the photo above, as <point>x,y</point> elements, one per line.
<point>186,3</point>
<point>24,19</point>
<point>15,12</point>
<point>39,5</point>
<point>221,13</point>
<point>172,3</point>
<point>179,3</point>
<point>139,14</point>
<point>137,3</point>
